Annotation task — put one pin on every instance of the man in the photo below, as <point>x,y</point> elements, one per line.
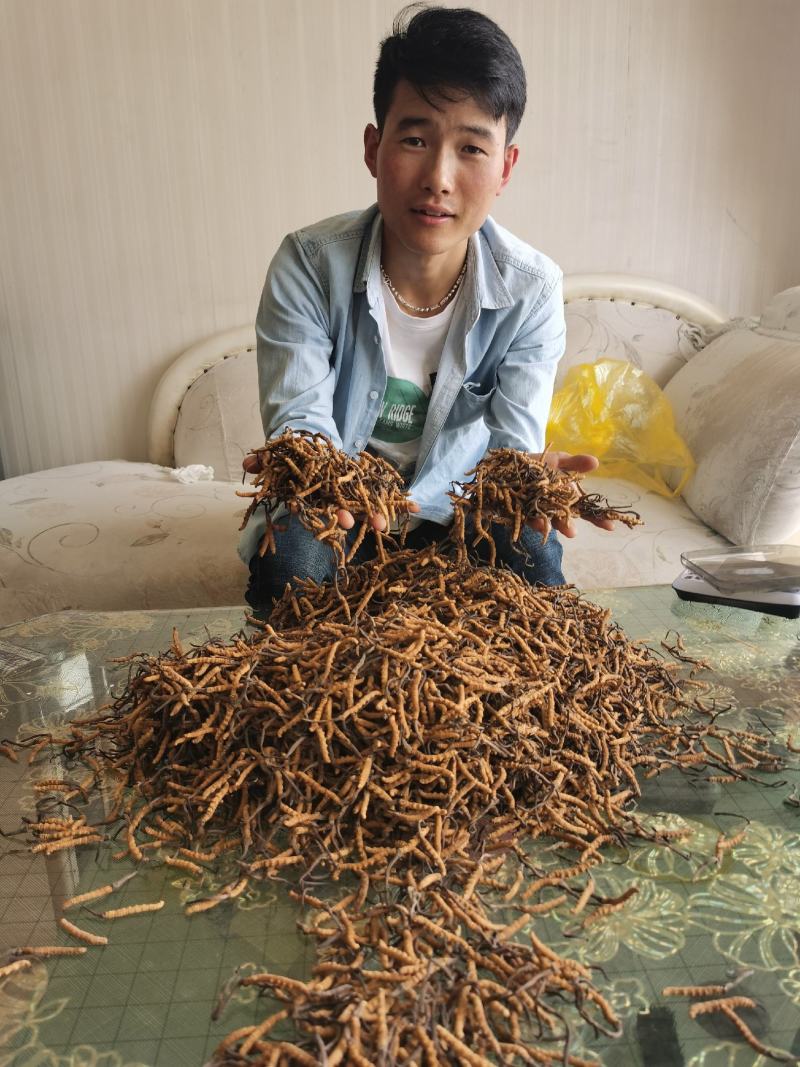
<point>419,329</point>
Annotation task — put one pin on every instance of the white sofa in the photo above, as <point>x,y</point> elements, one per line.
<point>114,534</point>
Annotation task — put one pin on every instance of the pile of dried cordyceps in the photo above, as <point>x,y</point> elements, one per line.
<point>406,732</point>
<point>403,733</point>
<point>305,472</point>
<point>511,488</point>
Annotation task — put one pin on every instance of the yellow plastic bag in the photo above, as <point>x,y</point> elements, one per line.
<point>616,412</point>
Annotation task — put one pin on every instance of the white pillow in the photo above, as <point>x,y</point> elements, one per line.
<point>219,419</point>
<point>737,406</point>
<point>783,313</point>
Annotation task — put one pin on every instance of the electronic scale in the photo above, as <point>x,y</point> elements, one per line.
<point>757,577</point>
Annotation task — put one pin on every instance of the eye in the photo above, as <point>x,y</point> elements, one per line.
<point>413,142</point>
<point>474,150</point>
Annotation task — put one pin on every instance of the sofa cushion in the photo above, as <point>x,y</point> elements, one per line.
<point>654,339</point>
<point>646,555</point>
<point>219,419</point>
<point>737,406</point>
<point>113,536</point>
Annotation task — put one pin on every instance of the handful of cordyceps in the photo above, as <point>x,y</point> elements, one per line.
<point>308,475</point>
<point>510,488</point>
<point>312,478</point>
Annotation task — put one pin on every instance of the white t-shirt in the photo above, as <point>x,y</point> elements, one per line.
<point>412,349</point>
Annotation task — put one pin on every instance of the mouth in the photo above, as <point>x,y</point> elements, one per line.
<point>431,213</point>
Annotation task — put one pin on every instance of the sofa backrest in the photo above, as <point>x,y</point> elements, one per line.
<point>655,326</point>
<point>653,339</point>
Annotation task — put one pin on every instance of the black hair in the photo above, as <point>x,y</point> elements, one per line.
<point>442,50</point>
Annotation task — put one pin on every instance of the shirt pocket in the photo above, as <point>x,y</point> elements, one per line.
<point>474,397</point>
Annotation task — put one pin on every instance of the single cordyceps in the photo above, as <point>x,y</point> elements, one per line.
<point>511,488</point>
<point>308,475</point>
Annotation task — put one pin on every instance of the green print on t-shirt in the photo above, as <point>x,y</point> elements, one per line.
<point>403,412</point>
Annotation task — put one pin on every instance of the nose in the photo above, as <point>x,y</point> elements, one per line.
<point>437,177</point>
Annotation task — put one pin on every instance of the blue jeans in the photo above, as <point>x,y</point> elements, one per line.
<point>299,555</point>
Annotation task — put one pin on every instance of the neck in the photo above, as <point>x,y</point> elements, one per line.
<point>422,280</point>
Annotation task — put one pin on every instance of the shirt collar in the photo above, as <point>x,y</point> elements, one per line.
<point>489,285</point>
<point>370,259</point>
<point>482,279</point>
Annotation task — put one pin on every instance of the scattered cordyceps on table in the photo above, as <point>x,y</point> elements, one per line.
<point>720,999</point>
<point>307,474</point>
<point>400,983</point>
<point>510,488</point>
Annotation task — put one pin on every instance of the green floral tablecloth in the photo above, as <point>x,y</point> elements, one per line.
<point>147,997</point>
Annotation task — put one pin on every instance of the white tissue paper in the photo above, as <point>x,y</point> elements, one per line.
<point>195,472</point>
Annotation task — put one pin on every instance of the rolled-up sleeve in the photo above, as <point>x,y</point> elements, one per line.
<point>296,375</point>
<point>520,404</point>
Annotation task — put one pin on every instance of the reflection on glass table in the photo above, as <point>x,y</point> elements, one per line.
<point>147,997</point>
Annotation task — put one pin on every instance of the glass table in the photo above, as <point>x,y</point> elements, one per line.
<point>147,997</point>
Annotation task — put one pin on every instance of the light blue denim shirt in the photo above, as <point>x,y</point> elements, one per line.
<point>321,365</point>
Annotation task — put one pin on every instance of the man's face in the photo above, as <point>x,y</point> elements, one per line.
<point>438,170</point>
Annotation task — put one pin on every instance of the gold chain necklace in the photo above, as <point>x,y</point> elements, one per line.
<point>433,307</point>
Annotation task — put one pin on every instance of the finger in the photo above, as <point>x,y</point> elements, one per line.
<point>346,520</point>
<point>578,464</point>
<point>565,528</point>
<point>603,524</point>
<point>554,459</point>
<point>378,523</point>
<point>413,506</point>
<point>251,464</point>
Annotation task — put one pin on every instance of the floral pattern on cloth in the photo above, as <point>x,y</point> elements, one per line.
<point>654,339</point>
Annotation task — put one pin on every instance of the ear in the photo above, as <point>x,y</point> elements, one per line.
<point>372,139</point>
<point>510,158</point>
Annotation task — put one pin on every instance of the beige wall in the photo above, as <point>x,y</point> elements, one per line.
<point>155,151</point>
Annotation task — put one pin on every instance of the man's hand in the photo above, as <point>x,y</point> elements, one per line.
<point>579,464</point>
